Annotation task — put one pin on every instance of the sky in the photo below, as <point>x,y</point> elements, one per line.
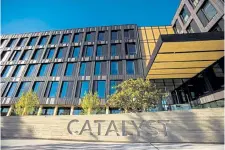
<point>22,16</point>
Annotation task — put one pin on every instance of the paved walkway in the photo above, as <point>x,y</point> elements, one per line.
<point>17,144</point>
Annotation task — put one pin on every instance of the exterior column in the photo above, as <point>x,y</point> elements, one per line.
<point>71,110</point>
<point>107,110</point>
<point>40,110</point>
<point>10,111</point>
<point>55,110</point>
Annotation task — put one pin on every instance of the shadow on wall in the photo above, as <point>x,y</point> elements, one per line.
<point>181,127</point>
<point>12,127</point>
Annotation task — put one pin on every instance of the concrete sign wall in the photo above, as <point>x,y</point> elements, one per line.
<point>206,125</point>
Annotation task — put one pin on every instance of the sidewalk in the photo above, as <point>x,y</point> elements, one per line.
<point>15,144</point>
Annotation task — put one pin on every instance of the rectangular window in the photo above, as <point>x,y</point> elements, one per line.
<point>3,42</point>
<point>47,111</point>
<point>11,43</point>
<point>30,70</point>
<point>115,35</point>
<point>63,111</point>
<point>54,39</point>
<point>25,55</point>
<point>130,67</point>
<point>75,51</point>
<point>37,87</point>
<point>76,38</point>
<point>23,88</point>
<point>114,68</point>
<point>99,51</point>
<point>18,71</point>
<point>43,70</point>
<point>43,40</point>
<point>77,111</point>
<point>4,55</point>
<point>209,10</point>
<point>32,41</point>
<point>97,68</point>
<point>101,36</point>
<point>177,28</point>
<point>113,84</point>
<point>130,49</point>
<point>56,70</point>
<point>84,88</point>
<point>16,55</point>
<point>115,49</point>
<point>5,73</point>
<point>66,89</point>
<point>82,69</point>
<point>129,34</point>
<point>22,42</point>
<point>88,37</point>
<point>12,87</point>
<point>50,53</point>
<point>66,38</point>
<point>99,87</point>
<point>37,54</point>
<point>185,14</point>
<point>70,69</point>
<point>88,51</point>
<point>61,52</point>
<point>194,2</point>
<point>52,88</point>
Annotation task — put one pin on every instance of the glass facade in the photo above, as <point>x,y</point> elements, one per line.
<point>130,67</point>
<point>51,90</point>
<point>43,70</point>
<point>84,88</point>
<point>70,68</point>
<point>54,39</point>
<point>30,70</point>
<point>114,68</point>
<point>32,41</point>
<point>43,40</point>
<point>23,88</point>
<point>82,69</point>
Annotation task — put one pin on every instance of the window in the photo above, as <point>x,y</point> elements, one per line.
<point>4,110</point>
<point>115,49</point>
<point>37,54</point>
<point>61,52</point>
<point>77,111</point>
<point>47,111</point>
<point>50,53</point>
<point>113,84</point>
<point>115,35</point>
<point>90,36</point>
<point>51,89</point>
<point>130,49</point>
<point>25,55</point>
<point>99,50</point>
<point>66,38</point>
<point>37,87</point>
<point>74,53</point>
<point>129,34</point>
<point>101,36</point>
<point>76,38</point>
<point>194,2</point>
<point>6,71</point>
<point>190,29</point>
<point>3,42</point>
<point>32,41</point>
<point>24,86</point>
<point>97,68</point>
<point>82,69</point>
<point>43,40</point>
<point>88,50</point>
<point>66,89</point>
<point>99,87</point>
<point>4,55</point>
<point>84,88</point>
<point>114,68</point>
<point>22,42</point>
<point>18,71</point>
<point>70,69</point>
<point>209,10</point>
<point>15,55</point>
<point>57,69</point>
<point>177,28</point>
<point>185,14</point>
<point>11,43</point>
<point>12,87</point>
<point>43,70</point>
<point>54,39</point>
<point>63,111</point>
<point>30,70</point>
<point>130,67</point>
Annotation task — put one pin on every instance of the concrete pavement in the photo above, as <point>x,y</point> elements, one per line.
<point>34,144</point>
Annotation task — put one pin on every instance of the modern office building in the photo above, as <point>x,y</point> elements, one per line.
<point>60,66</point>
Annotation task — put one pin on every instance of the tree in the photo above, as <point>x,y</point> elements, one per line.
<point>135,95</point>
<point>90,103</point>
<point>27,103</point>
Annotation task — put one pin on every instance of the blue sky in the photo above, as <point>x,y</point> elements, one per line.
<point>20,16</point>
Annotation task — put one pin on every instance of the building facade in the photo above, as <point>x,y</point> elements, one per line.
<point>185,59</point>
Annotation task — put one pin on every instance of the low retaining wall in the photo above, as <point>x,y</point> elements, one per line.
<point>196,126</point>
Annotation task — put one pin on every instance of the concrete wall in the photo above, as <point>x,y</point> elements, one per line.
<point>198,126</point>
